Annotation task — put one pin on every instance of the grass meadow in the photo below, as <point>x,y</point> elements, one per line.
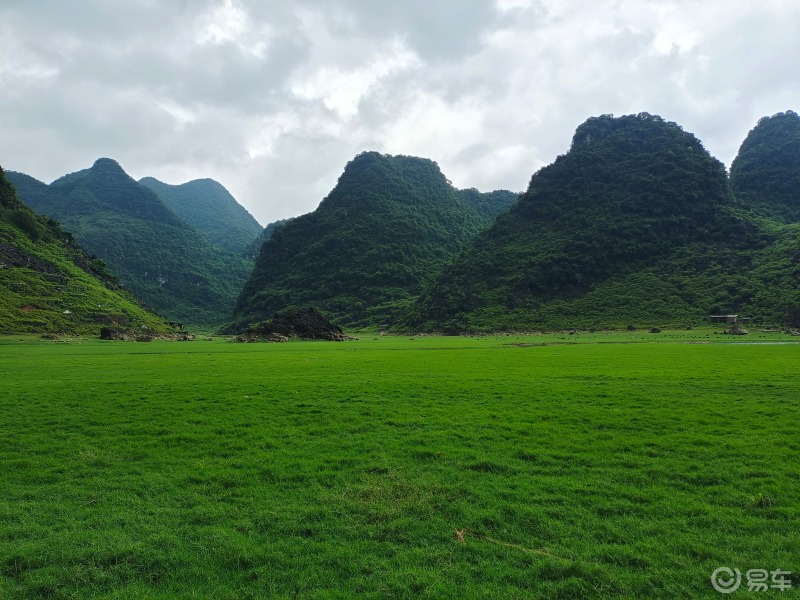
<point>585,466</point>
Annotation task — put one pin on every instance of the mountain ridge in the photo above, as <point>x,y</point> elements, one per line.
<point>158,257</point>
<point>50,285</point>
<point>208,207</point>
<point>628,199</point>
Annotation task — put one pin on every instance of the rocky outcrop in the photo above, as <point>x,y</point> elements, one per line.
<point>305,324</point>
<point>736,330</point>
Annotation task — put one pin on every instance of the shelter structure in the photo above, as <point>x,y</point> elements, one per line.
<point>723,318</point>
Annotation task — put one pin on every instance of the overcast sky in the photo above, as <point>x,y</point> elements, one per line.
<point>272,97</point>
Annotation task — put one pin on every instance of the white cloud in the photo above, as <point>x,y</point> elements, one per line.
<point>341,90</point>
<point>430,126</point>
<point>181,115</point>
<point>272,98</point>
<point>230,23</point>
<point>224,23</point>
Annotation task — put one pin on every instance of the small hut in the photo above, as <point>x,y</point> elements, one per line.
<point>723,318</point>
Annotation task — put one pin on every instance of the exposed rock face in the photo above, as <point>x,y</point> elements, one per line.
<point>305,323</point>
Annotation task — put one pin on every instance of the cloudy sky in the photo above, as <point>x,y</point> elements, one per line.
<point>272,97</point>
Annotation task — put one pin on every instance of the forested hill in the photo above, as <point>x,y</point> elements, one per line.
<point>390,223</point>
<point>49,284</point>
<point>766,172</point>
<point>489,204</point>
<point>157,256</point>
<point>252,250</point>
<point>208,207</point>
<point>635,224</point>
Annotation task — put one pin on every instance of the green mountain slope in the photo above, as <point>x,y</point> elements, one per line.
<point>390,223</point>
<point>252,250</point>
<point>766,172</point>
<point>773,282</point>
<point>489,204</point>
<point>49,284</point>
<point>636,224</point>
<point>208,207</point>
<point>157,256</point>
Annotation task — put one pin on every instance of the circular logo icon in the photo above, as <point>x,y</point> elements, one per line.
<point>725,580</point>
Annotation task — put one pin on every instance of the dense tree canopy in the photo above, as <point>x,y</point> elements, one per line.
<point>766,171</point>
<point>489,204</point>
<point>390,223</point>
<point>636,223</point>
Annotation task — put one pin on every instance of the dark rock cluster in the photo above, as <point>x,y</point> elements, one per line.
<point>298,323</point>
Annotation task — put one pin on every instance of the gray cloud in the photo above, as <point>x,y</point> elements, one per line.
<point>273,98</point>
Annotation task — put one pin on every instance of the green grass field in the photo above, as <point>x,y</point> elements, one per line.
<point>570,466</point>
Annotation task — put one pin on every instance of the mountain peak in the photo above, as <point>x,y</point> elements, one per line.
<point>631,191</point>
<point>765,174</point>
<point>596,128</point>
<point>108,166</point>
<point>372,158</point>
<point>389,223</point>
<point>7,193</point>
<point>156,255</point>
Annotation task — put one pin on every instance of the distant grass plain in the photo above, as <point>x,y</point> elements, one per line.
<point>561,466</point>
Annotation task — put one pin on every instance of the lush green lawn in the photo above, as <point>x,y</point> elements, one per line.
<point>219,470</point>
